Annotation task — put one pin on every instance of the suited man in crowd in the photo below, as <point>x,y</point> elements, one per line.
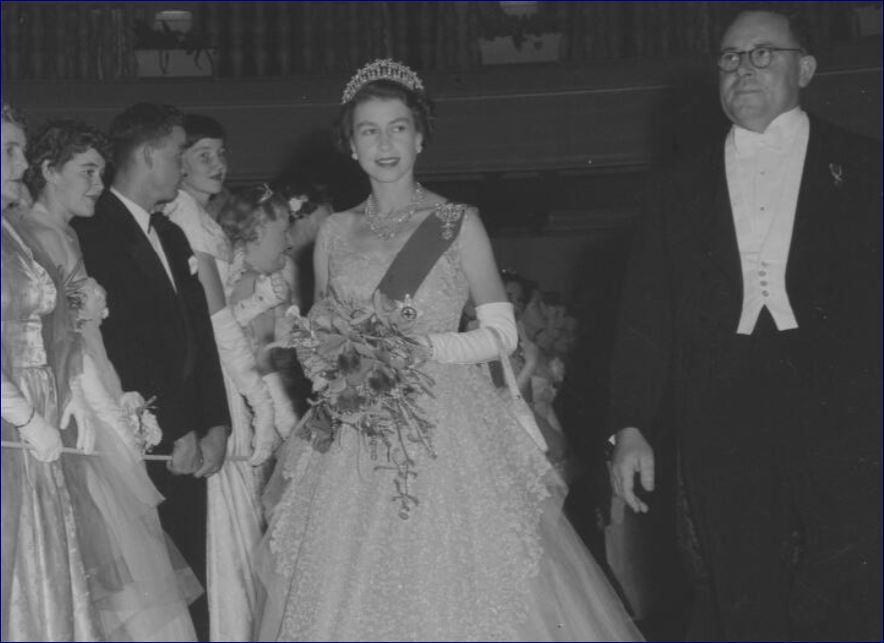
<point>753,304</point>
<point>159,334</point>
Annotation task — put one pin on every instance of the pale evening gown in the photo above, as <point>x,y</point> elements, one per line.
<point>45,591</point>
<point>486,554</point>
<point>139,584</point>
<point>235,518</point>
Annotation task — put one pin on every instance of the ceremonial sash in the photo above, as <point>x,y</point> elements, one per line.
<point>420,253</point>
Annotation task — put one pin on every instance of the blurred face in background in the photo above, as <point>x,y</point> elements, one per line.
<point>14,163</point>
<point>204,168</point>
<point>516,295</point>
<point>303,231</point>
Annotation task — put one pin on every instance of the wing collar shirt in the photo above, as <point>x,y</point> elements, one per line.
<point>763,177</point>
<point>142,217</point>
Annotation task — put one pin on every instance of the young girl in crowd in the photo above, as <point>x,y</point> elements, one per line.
<point>257,222</point>
<point>259,409</point>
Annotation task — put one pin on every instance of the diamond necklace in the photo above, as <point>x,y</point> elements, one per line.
<point>388,226</point>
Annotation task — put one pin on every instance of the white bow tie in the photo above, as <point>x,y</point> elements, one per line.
<point>749,143</point>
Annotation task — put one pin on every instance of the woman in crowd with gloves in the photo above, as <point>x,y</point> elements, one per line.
<point>453,531</point>
<point>44,577</point>
<point>139,588</point>
<point>259,409</point>
<point>87,558</point>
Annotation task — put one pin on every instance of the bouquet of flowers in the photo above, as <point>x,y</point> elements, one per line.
<point>140,420</point>
<point>88,301</point>
<point>366,376</point>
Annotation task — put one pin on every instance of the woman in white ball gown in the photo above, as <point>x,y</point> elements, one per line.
<point>486,552</point>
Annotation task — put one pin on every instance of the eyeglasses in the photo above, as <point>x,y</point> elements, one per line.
<point>760,57</point>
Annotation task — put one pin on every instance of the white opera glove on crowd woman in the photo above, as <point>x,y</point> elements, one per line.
<point>496,333</point>
<point>33,428</point>
<point>88,389</point>
<point>270,290</point>
<point>76,410</point>
<point>239,363</point>
<point>286,418</point>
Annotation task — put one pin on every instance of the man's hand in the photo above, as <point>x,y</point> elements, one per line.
<point>632,454</point>
<point>213,446</point>
<point>186,455</point>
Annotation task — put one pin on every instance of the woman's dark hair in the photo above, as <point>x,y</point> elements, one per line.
<point>421,107</point>
<point>58,142</point>
<point>198,127</point>
<point>247,209</point>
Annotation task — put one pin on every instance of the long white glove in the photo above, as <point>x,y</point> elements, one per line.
<point>239,364</point>
<point>110,410</point>
<point>496,320</point>
<point>286,418</point>
<point>33,428</point>
<point>270,291</point>
<point>76,410</point>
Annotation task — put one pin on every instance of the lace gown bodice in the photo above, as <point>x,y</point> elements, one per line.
<point>355,276</point>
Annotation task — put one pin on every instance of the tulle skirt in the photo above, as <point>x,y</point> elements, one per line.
<point>486,554</point>
<point>140,584</point>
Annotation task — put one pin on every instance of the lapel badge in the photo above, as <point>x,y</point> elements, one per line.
<point>837,174</point>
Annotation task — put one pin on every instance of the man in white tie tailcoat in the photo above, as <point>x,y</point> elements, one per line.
<point>753,304</point>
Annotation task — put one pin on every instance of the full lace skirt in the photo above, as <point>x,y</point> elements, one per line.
<point>485,555</point>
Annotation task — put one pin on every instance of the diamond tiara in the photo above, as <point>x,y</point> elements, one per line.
<point>382,69</point>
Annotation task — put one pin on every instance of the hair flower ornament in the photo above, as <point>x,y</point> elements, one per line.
<point>295,204</point>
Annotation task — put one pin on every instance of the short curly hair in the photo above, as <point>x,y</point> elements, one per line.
<point>58,142</point>
<point>422,108</point>
<point>247,209</point>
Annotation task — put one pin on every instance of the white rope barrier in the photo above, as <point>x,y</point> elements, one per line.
<point>7,444</point>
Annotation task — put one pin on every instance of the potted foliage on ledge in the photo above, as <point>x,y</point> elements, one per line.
<point>518,32</point>
<point>162,51</point>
